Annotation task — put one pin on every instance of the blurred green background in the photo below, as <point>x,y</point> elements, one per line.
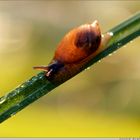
<point>103,101</point>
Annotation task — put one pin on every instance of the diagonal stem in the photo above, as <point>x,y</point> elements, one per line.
<point>38,85</point>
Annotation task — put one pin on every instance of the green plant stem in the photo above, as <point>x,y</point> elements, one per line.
<point>38,85</point>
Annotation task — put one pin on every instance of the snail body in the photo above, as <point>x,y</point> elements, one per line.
<point>76,46</point>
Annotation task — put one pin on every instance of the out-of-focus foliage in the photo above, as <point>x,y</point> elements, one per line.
<point>102,101</point>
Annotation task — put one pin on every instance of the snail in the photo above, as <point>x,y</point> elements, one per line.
<point>76,46</point>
